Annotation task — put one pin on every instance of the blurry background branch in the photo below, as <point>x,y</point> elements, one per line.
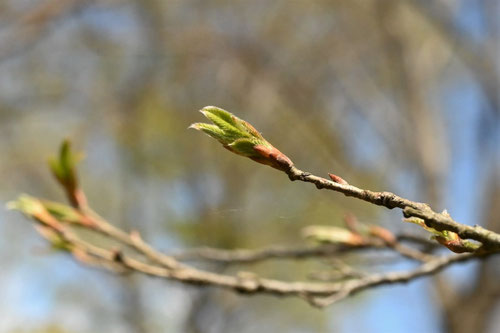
<point>33,25</point>
<point>55,219</point>
<point>318,294</point>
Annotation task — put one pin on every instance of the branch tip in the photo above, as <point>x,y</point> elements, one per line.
<point>240,137</point>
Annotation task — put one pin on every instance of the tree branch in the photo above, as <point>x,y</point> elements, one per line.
<point>244,256</point>
<point>318,294</point>
<point>54,220</point>
<point>439,221</point>
<point>161,265</point>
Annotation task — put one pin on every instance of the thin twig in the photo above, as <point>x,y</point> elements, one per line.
<point>243,256</point>
<point>438,221</point>
<point>353,286</point>
<point>157,264</point>
<point>239,256</point>
<point>132,240</point>
<point>319,294</point>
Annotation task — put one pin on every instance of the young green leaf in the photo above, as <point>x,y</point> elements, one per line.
<point>27,205</point>
<point>64,166</point>
<point>241,138</point>
<point>213,131</point>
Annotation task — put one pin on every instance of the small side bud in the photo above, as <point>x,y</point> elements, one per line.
<point>382,233</point>
<point>456,244</point>
<point>337,179</point>
<point>447,238</point>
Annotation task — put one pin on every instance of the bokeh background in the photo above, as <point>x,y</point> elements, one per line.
<point>391,95</point>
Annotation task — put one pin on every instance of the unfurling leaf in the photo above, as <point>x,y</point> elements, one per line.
<point>447,238</point>
<point>456,244</point>
<point>34,208</point>
<point>63,166</point>
<point>27,205</point>
<point>241,138</point>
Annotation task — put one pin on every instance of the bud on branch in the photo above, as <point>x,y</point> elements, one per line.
<point>333,235</point>
<point>241,138</point>
<point>63,168</point>
<point>447,238</point>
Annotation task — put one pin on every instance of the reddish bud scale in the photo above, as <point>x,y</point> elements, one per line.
<point>382,233</point>
<point>356,240</point>
<point>337,179</point>
<point>454,245</point>
<point>272,157</point>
